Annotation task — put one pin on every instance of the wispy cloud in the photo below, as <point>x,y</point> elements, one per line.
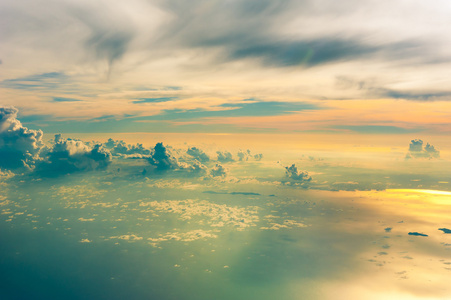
<point>154,100</point>
<point>63,99</point>
<point>48,81</point>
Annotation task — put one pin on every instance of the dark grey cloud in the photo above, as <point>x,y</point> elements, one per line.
<point>308,53</point>
<point>372,89</point>
<point>417,234</point>
<point>19,146</point>
<point>418,95</point>
<point>232,193</point>
<point>252,30</point>
<point>445,230</point>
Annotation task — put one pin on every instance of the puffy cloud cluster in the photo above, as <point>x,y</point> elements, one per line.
<point>5,174</point>
<point>246,155</point>
<point>162,159</point>
<point>416,150</point>
<point>198,154</point>
<point>69,156</point>
<point>119,148</point>
<point>196,167</point>
<point>218,171</point>
<point>225,156</point>
<point>19,146</point>
<point>258,156</point>
<point>293,173</point>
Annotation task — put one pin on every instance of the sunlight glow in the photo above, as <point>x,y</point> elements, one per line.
<point>430,192</point>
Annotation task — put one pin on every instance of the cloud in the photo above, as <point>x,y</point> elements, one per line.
<point>162,159</point>
<point>195,168</point>
<point>216,215</point>
<point>416,150</point>
<point>225,156</point>
<point>70,156</point>
<point>372,89</point>
<point>118,148</point>
<point>19,146</point>
<point>232,193</point>
<point>48,81</point>
<point>198,154</point>
<point>243,108</point>
<point>153,100</point>
<point>110,32</point>
<point>415,95</point>
<point>305,52</point>
<point>63,99</point>
<point>293,173</point>
<point>244,155</point>
<point>252,30</point>
<point>377,129</point>
<point>417,234</point>
<point>218,171</point>
<point>445,230</point>
<point>5,174</point>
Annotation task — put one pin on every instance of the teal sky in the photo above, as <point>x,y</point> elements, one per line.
<point>225,149</point>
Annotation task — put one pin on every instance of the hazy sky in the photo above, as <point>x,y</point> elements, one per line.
<point>227,66</point>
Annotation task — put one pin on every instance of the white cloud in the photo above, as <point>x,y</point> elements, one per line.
<point>19,146</point>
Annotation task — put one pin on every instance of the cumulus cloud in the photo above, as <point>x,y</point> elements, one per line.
<point>19,146</point>
<point>293,173</point>
<point>244,155</point>
<point>119,148</point>
<point>195,167</point>
<point>225,156</point>
<point>258,156</point>
<point>198,154</point>
<point>416,150</point>
<point>247,155</point>
<point>162,159</point>
<point>218,171</point>
<point>69,156</point>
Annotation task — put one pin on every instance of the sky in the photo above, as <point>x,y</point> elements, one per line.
<point>227,66</point>
<point>225,150</point>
